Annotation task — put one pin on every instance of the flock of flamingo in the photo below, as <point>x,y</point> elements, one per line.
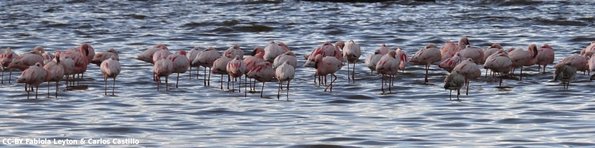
<point>276,63</point>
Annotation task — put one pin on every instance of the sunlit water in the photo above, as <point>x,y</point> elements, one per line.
<point>532,112</point>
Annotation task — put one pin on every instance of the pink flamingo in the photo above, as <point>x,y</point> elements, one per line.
<point>262,72</point>
<point>545,55</point>
<point>220,67</point>
<point>206,59</point>
<point>474,53</point>
<point>160,54</point>
<point>372,59</point>
<point>403,60</point>
<point>79,57</point>
<point>522,58</point>
<point>580,62</point>
<point>469,69</point>
<point>33,76</point>
<point>257,56</point>
<point>26,60</point>
<point>272,50</point>
<point>110,68</point>
<point>463,42</point>
<point>55,73</point>
<point>494,48</point>
<point>162,68</point>
<point>454,81</point>
<point>102,56</point>
<point>233,51</point>
<point>430,54</point>
<point>6,57</point>
<point>327,65</point>
<point>448,50</point>
<point>388,66</point>
<point>47,57</point>
<point>499,63</point>
<point>192,54</point>
<point>147,55</point>
<point>352,52</point>
<point>589,50</point>
<point>288,57</point>
<point>450,63</point>
<point>283,73</point>
<point>236,68</point>
<point>68,64</point>
<point>180,64</point>
<point>87,51</point>
<point>565,72</point>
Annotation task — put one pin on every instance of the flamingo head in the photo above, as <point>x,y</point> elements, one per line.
<point>257,50</point>
<point>161,46</point>
<point>533,50</point>
<point>464,41</point>
<point>182,52</point>
<point>496,45</point>
<point>340,44</point>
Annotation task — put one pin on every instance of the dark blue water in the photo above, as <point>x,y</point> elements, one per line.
<point>533,112</point>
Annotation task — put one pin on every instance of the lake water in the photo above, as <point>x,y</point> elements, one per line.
<point>533,112</point>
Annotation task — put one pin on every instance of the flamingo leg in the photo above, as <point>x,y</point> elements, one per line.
<point>449,94</point>
<point>49,88</point>
<point>458,94</point>
<point>353,72</point>
<point>287,93</point>
<point>158,83</point>
<point>427,67</point>
<point>9,76</point>
<point>204,80</point>
<point>382,83</point>
<point>57,83</point>
<point>221,81</point>
<point>177,79</point>
<point>467,83</point>
<point>105,85</point>
<point>36,91</point>
<point>114,87</point>
<point>348,73</point>
<point>190,72</point>
<point>279,90</point>
<point>521,73</point>
<point>166,86</point>
<point>262,89</point>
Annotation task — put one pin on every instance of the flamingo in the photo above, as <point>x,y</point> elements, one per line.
<point>326,49</point>
<point>448,50</point>
<point>288,57</point>
<point>463,42</point>
<point>262,72</point>
<point>55,73</point>
<point>79,57</point>
<point>272,50</point>
<point>494,48</point>
<point>220,67</point>
<point>236,68</point>
<point>474,53</point>
<point>233,51</point>
<point>283,73</point>
<point>162,68</point>
<point>327,65</point>
<point>147,55</point>
<point>403,60</point>
<point>565,73</point>
<point>206,59</point>
<point>580,62</point>
<point>352,52</point>
<point>180,64</point>
<point>87,51</point>
<point>257,56</point>
<point>26,60</point>
<point>450,63</point>
<point>545,55</point>
<point>160,54</point>
<point>6,57</point>
<point>388,66</point>
<point>499,63</point>
<point>372,59</point>
<point>522,58</point>
<point>102,56</point>
<point>425,56</point>
<point>454,81</point>
<point>589,50</point>
<point>110,68</point>
<point>33,76</point>
<point>68,64</point>
<point>192,54</point>
<point>469,69</point>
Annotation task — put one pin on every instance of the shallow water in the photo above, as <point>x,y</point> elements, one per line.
<point>532,112</point>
